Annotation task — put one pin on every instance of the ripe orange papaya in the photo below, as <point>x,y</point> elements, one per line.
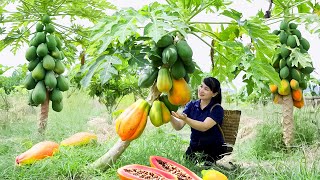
<point>159,114</point>
<point>39,151</point>
<point>81,138</point>
<point>273,88</point>
<point>164,80</point>
<point>132,121</point>
<point>141,172</point>
<point>180,93</point>
<point>297,95</point>
<point>298,104</point>
<point>172,167</point>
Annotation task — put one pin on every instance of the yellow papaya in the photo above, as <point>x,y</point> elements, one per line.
<point>78,139</point>
<point>159,114</point>
<point>132,121</point>
<point>39,151</point>
<point>298,104</point>
<point>213,174</point>
<point>180,93</point>
<point>284,88</point>
<point>164,80</point>
<point>294,84</point>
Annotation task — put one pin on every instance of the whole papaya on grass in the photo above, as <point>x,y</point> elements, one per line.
<point>213,174</point>
<point>132,121</point>
<point>78,139</point>
<point>172,167</point>
<point>37,152</point>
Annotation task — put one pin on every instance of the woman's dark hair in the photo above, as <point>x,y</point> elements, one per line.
<point>214,86</point>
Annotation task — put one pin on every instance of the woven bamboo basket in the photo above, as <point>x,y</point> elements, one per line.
<point>230,126</point>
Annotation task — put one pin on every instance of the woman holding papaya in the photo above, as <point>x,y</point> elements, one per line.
<point>205,117</point>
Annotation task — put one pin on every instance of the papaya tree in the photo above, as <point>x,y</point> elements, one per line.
<point>40,24</point>
<point>229,55</point>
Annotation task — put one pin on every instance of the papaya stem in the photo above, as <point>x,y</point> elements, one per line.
<point>211,46</point>
<point>59,6</point>
<point>44,114</point>
<point>108,159</point>
<point>199,10</point>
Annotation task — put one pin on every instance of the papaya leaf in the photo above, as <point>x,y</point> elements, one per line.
<point>261,69</point>
<point>296,57</point>
<point>232,14</point>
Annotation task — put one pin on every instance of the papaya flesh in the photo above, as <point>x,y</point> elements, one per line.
<point>172,167</point>
<point>39,151</point>
<point>132,121</point>
<point>81,138</point>
<point>141,172</point>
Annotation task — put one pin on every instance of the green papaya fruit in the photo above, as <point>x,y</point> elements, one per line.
<point>40,37</point>
<point>62,83</point>
<point>50,80</point>
<point>291,41</point>
<point>56,54</point>
<point>169,55</point>
<point>59,43</point>
<point>57,106</point>
<point>276,32</point>
<point>56,95</point>
<point>187,78</point>
<point>49,28</point>
<point>297,33</point>
<point>39,93</point>
<point>305,44</point>
<point>32,64</point>
<point>296,74</point>
<point>283,37</point>
<point>59,67</point>
<point>39,27</point>
<point>285,52</point>
<point>51,42</point>
<point>184,50</point>
<point>284,72</point>
<point>307,70</point>
<point>39,72</point>
<point>29,82</point>
<point>293,26</point>
<point>165,41</point>
<point>31,53</point>
<point>177,70</point>
<point>189,66</point>
<point>42,50</point>
<point>48,63</point>
<point>45,19</point>
<point>284,25</point>
<point>148,77</point>
<point>30,101</point>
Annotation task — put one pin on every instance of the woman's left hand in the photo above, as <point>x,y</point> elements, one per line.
<point>182,116</point>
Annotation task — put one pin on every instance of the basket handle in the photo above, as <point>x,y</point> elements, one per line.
<point>217,123</point>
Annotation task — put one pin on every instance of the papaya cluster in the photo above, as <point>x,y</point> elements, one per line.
<point>45,65</point>
<point>293,76</point>
<point>170,65</point>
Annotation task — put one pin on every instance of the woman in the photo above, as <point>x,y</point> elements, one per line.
<point>204,116</point>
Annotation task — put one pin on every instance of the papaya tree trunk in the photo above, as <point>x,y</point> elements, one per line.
<point>287,120</point>
<point>107,160</point>
<point>44,115</point>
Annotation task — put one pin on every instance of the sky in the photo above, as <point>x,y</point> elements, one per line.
<point>201,50</point>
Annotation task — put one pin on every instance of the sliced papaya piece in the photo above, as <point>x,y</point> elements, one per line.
<point>141,172</point>
<point>172,167</point>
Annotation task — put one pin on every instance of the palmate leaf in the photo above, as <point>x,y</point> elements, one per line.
<point>296,57</point>
<point>263,40</point>
<point>104,63</point>
<point>232,14</point>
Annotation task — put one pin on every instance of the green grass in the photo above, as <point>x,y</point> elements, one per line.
<point>261,157</point>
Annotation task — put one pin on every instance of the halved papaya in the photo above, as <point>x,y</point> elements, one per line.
<point>141,172</point>
<point>172,167</point>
